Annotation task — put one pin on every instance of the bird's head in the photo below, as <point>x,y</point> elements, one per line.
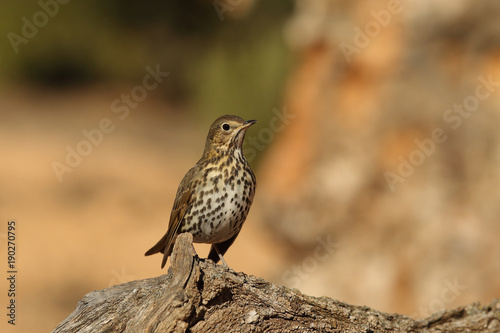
<point>226,134</point>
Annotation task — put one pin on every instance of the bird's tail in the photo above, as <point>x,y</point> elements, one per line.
<point>161,247</point>
<point>158,247</point>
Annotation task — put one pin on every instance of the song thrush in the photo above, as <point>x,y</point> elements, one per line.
<point>214,198</point>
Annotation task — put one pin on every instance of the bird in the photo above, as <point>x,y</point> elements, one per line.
<point>214,197</point>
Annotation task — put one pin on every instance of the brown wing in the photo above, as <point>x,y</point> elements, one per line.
<point>183,201</point>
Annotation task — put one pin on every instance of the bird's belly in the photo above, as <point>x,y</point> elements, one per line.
<point>223,214</point>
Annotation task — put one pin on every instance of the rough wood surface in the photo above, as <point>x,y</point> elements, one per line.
<point>199,296</point>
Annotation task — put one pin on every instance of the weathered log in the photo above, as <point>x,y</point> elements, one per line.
<point>199,296</point>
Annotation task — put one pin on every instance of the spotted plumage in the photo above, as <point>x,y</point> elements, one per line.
<point>214,197</point>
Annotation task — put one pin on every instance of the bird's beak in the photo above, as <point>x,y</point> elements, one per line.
<point>247,124</point>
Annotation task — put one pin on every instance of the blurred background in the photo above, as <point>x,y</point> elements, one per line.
<point>377,150</point>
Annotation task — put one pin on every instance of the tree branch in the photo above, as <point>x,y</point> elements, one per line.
<point>198,296</point>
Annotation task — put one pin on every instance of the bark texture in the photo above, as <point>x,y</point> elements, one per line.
<point>198,296</point>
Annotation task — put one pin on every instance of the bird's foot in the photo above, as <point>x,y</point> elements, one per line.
<point>223,261</point>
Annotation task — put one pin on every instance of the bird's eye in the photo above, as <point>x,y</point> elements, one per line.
<point>226,127</point>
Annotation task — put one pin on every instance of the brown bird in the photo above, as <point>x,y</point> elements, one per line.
<point>214,197</point>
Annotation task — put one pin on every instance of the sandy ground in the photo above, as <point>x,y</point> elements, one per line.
<point>90,230</point>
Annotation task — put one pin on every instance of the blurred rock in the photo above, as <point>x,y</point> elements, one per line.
<point>394,151</point>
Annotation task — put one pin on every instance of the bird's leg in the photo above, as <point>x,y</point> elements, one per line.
<point>220,256</point>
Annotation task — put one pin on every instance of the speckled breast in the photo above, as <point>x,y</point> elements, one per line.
<point>222,201</point>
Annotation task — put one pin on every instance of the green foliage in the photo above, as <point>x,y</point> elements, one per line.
<point>230,66</point>
<point>246,79</point>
